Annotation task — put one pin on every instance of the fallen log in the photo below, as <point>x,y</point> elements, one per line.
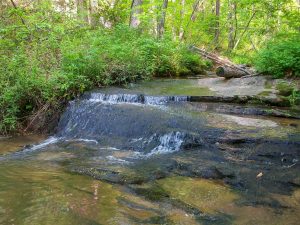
<point>229,72</point>
<point>221,61</point>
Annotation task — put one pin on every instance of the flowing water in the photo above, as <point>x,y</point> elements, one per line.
<point>124,156</point>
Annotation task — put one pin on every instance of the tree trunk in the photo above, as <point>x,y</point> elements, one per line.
<point>153,18</point>
<point>15,6</point>
<point>229,72</point>
<point>192,18</point>
<point>67,7</point>
<point>217,28</point>
<point>245,30</point>
<point>181,29</point>
<point>93,8</point>
<point>89,11</point>
<point>135,11</point>
<point>195,9</point>
<point>232,28</point>
<point>82,10</point>
<point>161,19</point>
<point>220,61</point>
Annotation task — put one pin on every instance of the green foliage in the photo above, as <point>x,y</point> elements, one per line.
<point>52,51</point>
<point>191,64</point>
<point>51,60</point>
<point>241,58</point>
<point>285,88</point>
<point>294,98</point>
<point>280,58</point>
<point>290,91</point>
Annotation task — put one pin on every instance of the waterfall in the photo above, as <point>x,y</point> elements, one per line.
<point>134,98</point>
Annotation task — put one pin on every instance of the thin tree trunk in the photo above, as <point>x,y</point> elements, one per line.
<point>217,28</point>
<point>15,6</point>
<point>232,28</point>
<point>134,21</point>
<point>245,30</point>
<point>161,20</point>
<point>89,11</point>
<point>193,16</point>
<point>235,23</point>
<point>91,6</point>
<point>195,9</point>
<point>73,7</point>
<point>153,17</point>
<point>94,6</point>
<point>252,43</point>
<point>67,7</point>
<point>81,10</point>
<point>181,29</point>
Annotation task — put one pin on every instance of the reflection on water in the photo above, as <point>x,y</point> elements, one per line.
<point>185,87</point>
<point>11,144</point>
<point>44,194</point>
<point>34,194</point>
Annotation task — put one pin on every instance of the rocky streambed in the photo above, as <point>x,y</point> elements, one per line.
<point>147,154</point>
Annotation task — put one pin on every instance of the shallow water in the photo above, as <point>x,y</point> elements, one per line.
<point>116,159</point>
<point>172,87</point>
<point>11,144</point>
<point>208,86</point>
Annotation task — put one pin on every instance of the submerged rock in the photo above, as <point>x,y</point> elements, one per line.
<point>208,196</point>
<point>244,121</point>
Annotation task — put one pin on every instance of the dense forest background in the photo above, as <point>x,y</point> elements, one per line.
<point>232,26</point>
<point>53,50</point>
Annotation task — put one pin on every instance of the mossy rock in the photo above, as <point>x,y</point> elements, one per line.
<point>265,93</point>
<point>206,195</point>
<point>284,88</point>
<point>152,192</point>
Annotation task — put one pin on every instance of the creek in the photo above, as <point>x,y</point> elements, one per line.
<point>146,154</point>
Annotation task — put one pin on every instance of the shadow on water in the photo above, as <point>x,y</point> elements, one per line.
<point>117,159</point>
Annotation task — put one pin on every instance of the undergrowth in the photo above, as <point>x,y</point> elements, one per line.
<point>51,59</point>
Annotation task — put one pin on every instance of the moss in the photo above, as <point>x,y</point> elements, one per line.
<point>284,88</point>
<point>265,93</point>
<point>153,192</point>
<point>268,85</point>
<point>208,196</point>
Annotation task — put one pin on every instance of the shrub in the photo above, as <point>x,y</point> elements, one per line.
<point>290,91</point>
<point>285,88</point>
<point>43,64</point>
<point>294,98</point>
<point>191,63</point>
<point>280,58</point>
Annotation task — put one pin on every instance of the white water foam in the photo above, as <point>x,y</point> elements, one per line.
<point>115,98</point>
<point>160,100</point>
<point>50,140</point>
<point>136,140</point>
<point>169,143</point>
<point>135,99</point>
<point>109,148</point>
<point>82,140</point>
